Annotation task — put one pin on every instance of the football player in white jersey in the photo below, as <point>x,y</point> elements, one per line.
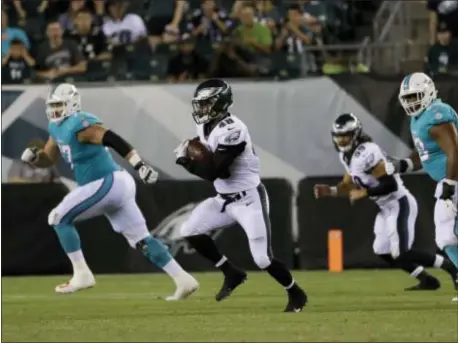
<point>394,228</point>
<point>241,198</point>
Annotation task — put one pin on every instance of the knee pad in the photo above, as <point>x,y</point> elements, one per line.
<point>262,260</point>
<point>187,230</point>
<point>54,218</point>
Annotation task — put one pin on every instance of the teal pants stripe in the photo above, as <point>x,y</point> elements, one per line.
<point>86,204</point>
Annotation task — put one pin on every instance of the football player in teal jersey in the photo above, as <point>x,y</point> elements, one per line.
<point>434,126</point>
<point>103,188</point>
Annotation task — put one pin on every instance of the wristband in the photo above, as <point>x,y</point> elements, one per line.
<point>406,165</point>
<point>135,160</point>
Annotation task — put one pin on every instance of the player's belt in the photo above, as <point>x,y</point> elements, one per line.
<point>230,198</point>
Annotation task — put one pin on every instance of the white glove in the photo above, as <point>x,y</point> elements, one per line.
<point>148,174</point>
<point>30,155</point>
<point>182,149</point>
<point>447,209</point>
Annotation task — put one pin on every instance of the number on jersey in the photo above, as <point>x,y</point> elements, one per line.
<point>66,153</point>
<point>422,152</point>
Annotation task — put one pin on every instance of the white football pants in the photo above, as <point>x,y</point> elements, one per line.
<point>446,228</point>
<point>251,211</point>
<point>112,196</point>
<point>394,226</point>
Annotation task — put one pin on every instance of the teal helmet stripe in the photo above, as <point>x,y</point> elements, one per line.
<point>405,83</point>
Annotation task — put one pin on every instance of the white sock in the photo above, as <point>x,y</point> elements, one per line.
<point>438,261</point>
<point>78,262</point>
<point>174,269</point>
<point>417,271</point>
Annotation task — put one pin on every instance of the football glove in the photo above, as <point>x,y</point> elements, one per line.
<point>147,173</point>
<point>181,150</point>
<point>30,155</point>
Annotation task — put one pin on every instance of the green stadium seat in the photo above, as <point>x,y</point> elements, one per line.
<point>98,70</point>
<point>287,65</point>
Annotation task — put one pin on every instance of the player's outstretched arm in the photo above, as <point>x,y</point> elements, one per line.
<point>96,134</point>
<point>408,164</point>
<point>42,158</point>
<point>446,137</point>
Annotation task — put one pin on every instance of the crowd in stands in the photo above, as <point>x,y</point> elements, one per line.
<point>443,52</point>
<point>178,40</point>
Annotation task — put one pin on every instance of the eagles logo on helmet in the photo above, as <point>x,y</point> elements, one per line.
<point>212,99</point>
<point>346,132</point>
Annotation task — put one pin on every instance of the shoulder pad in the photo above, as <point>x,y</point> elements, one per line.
<point>231,132</point>
<point>440,113</point>
<point>82,120</point>
<point>367,156</point>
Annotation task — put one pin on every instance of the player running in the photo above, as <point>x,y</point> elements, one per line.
<point>434,126</point>
<point>103,188</point>
<point>394,227</point>
<point>242,198</point>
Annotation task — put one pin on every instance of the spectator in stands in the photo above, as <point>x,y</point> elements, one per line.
<point>442,11</point>
<point>295,35</point>
<point>123,28</point>
<point>90,38</point>
<point>210,22</point>
<point>29,8</point>
<point>188,64</point>
<point>21,172</point>
<point>11,33</point>
<point>17,64</point>
<point>267,14</point>
<point>252,37</point>
<point>164,19</point>
<point>443,55</point>
<point>58,56</point>
<point>314,13</point>
<point>67,19</point>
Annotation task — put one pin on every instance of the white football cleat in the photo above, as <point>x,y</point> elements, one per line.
<point>77,283</point>
<point>186,285</point>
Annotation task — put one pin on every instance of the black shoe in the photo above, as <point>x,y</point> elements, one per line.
<point>429,284</point>
<point>297,299</point>
<point>231,282</point>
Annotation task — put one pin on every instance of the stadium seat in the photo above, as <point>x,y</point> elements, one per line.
<point>98,70</point>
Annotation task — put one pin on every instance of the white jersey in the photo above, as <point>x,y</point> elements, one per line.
<point>245,168</point>
<point>359,166</point>
<point>125,31</point>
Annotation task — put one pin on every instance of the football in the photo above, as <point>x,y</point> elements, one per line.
<point>197,151</point>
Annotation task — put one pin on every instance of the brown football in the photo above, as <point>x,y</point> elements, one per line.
<point>197,151</point>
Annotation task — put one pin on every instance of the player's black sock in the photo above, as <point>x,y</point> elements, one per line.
<point>405,264</point>
<point>423,258</point>
<point>206,247</point>
<point>279,272</point>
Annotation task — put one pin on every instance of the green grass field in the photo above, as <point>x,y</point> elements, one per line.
<point>352,306</point>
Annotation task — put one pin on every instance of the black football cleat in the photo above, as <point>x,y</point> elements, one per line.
<point>297,299</point>
<point>429,284</point>
<point>455,280</point>
<point>231,282</point>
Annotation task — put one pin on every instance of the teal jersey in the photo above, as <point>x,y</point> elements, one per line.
<point>432,157</point>
<point>89,162</point>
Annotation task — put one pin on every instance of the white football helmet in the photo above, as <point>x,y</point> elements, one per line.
<point>417,92</point>
<point>63,101</point>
